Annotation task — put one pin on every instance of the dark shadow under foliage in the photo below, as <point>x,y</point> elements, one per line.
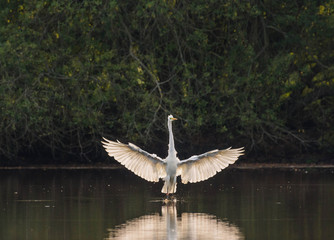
<point>258,74</point>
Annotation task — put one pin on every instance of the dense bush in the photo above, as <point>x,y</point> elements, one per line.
<point>254,73</point>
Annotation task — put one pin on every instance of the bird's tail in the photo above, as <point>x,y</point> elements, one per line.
<point>169,187</point>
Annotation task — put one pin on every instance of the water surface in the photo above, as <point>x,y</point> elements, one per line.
<point>115,204</point>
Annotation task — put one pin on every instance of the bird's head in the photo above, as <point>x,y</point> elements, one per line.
<point>171,118</point>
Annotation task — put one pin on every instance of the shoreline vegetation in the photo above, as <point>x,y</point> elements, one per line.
<point>253,74</point>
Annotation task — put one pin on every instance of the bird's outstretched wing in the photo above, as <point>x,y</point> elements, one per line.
<point>145,165</point>
<point>201,167</point>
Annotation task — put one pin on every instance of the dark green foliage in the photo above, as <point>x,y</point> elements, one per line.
<point>253,73</point>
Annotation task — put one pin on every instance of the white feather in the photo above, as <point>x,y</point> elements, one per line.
<point>146,165</point>
<point>151,167</point>
<point>201,167</point>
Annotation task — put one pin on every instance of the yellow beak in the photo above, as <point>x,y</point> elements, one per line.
<point>173,119</point>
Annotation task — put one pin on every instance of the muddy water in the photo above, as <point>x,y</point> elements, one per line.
<point>115,204</point>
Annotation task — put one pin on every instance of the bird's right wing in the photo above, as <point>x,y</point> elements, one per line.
<point>145,165</point>
<point>201,167</point>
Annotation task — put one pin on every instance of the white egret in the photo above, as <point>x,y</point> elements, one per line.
<point>151,167</point>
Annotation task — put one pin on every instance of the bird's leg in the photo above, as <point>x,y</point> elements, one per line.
<point>166,200</point>
<point>170,197</point>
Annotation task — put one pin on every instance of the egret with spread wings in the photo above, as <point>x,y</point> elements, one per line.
<point>151,167</point>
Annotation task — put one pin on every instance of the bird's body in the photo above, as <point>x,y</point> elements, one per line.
<point>170,179</point>
<point>152,168</point>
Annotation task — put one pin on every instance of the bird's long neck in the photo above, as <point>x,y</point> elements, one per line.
<point>171,149</point>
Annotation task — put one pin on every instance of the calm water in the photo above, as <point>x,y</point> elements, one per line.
<point>115,204</point>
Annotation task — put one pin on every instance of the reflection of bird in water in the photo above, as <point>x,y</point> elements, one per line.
<point>169,226</point>
<point>151,167</point>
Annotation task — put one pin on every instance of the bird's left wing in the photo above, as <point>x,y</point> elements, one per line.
<point>201,167</point>
<point>145,165</point>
